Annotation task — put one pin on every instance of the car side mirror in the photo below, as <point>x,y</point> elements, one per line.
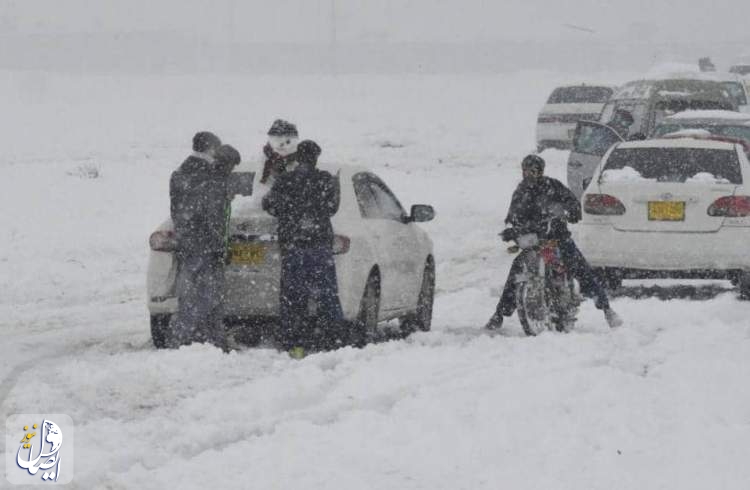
<point>421,213</point>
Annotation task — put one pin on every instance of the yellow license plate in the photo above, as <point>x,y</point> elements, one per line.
<point>666,211</point>
<point>247,253</point>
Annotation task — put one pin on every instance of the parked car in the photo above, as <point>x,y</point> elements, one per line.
<point>649,101</point>
<point>566,106</point>
<point>720,123</point>
<point>739,91</point>
<point>741,69</point>
<point>669,208</point>
<point>384,262</point>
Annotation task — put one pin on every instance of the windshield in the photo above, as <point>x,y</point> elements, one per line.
<point>677,164</point>
<point>636,108</point>
<point>741,132</point>
<point>736,92</point>
<point>594,139</point>
<point>580,95</point>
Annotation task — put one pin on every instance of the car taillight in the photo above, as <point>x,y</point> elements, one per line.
<point>163,241</point>
<point>603,204</point>
<point>730,207</point>
<point>341,244</point>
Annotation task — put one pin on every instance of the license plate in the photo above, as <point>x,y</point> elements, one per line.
<point>247,253</point>
<point>666,211</point>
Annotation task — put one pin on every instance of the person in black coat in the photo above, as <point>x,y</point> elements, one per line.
<point>199,203</point>
<point>304,200</point>
<point>544,206</point>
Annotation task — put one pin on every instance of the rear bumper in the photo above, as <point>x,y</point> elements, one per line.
<point>724,250</point>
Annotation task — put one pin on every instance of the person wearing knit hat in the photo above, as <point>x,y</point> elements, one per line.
<point>304,200</point>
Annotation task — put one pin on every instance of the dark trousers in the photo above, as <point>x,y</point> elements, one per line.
<point>309,297</point>
<point>576,265</point>
<point>199,286</point>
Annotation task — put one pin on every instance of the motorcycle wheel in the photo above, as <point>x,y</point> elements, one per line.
<point>565,307</point>
<point>533,308</point>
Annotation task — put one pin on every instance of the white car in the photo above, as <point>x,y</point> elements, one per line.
<point>384,262</point>
<point>742,69</point>
<point>564,108</point>
<point>739,91</point>
<point>669,208</point>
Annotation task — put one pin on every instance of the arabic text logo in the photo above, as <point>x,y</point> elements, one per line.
<point>48,456</point>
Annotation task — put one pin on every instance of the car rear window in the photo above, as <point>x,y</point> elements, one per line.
<point>741,132</point>
<point>667,108</point>
<point>677,164</point>
<point>580,95</point>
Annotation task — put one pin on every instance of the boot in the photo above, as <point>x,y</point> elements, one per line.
<point>613,320</point>
<point>495,323</point>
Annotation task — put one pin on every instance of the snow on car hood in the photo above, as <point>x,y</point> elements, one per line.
<point>711,115</point>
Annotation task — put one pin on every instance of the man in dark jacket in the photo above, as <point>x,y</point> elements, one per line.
<point>200,212</point>
<point>621,122</point>
<point>543,205</point>
<point>304,200</point>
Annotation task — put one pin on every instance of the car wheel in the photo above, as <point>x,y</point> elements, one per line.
<point>421,319</point>
<point>744,284</point>
<point>160,330</point>
<point>365,326</point>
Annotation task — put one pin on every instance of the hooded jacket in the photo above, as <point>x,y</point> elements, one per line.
<point>531,204</point>
<point>304,200</point>
<point>199,206</point>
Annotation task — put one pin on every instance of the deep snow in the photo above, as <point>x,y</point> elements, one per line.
<point>659,403</point>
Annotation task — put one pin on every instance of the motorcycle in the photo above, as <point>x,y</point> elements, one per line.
<point>546,297</point>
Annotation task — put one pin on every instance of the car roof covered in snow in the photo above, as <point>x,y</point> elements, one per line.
<point>710,116</point>
<point>677,143</point>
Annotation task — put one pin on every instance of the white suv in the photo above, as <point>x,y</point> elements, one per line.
<point>566,106</point>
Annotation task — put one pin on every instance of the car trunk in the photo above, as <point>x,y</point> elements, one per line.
<point>667,207</point>
<point>670,188</point>
<point>254,269</point>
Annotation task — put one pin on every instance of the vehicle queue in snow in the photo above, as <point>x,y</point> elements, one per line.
<point>316,256</point>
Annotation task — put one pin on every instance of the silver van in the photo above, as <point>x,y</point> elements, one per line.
<point>648,101</point>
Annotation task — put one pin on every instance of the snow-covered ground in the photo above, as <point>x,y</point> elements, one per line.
<point>661,403</point>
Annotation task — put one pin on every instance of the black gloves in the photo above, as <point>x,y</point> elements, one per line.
<point>509,234</point>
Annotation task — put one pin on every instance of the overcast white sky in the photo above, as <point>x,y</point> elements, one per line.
<point>388,20</point>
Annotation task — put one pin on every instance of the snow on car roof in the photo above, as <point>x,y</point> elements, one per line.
<point>716,114</point>
<point>678,143</point>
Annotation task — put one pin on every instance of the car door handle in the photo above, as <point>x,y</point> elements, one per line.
<point>576,164</point>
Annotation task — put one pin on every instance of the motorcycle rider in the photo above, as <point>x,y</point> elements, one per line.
<point>537,199</point>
